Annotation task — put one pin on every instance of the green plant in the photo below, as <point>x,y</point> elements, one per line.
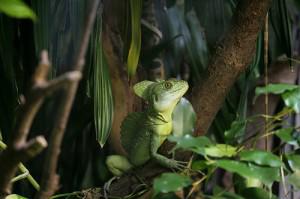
<point>254,170</point>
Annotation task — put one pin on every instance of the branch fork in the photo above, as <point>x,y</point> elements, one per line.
<point>19,149</point>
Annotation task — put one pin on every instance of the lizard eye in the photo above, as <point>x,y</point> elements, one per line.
<point>168,85</point>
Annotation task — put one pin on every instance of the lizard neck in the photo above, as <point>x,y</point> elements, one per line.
<point>167,114</point>
<point>163,116</point>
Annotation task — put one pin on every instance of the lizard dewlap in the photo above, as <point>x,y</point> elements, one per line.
<point>142,133</point>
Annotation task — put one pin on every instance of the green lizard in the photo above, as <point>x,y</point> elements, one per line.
<point>142,133</point>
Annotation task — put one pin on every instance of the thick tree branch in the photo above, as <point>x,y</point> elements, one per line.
<point>231,58</point>
<point>50,180</point>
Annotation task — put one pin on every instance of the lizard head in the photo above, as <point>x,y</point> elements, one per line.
<point>163,95</point>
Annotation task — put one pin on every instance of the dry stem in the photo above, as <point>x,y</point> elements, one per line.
<point>19,149</point>
<point>50,179</point>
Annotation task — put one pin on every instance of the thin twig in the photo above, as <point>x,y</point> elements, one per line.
<point>11,158</point>
<point>19,149</point>
<point>266,51</point>
<point>23,169</point>
<point>50,179</point>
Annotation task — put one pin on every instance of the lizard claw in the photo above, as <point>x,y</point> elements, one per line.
<point>178,165</point>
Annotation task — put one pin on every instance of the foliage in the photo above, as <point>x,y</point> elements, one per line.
<point>184,118</point>
<point>101,85</point>
<point>17,9</point>
<point>15,196</point>
<point>135,45</point>
<point>289,93</point>
<point>251,165</point>
<point>170,182</point>
<point>188,45</point>
<point>190,30</point>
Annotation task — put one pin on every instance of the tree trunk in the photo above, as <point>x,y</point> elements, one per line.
<point>232,56</point>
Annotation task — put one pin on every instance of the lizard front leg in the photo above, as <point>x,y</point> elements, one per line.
<point>156,141</point>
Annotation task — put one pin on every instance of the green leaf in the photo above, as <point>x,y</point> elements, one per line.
<point>102,92</point>
<point>266,175</point>
<point>228,195</point>
<point>135,45</point>
<point>280,30</point>
<point>285,134</point>
<point>240,183</point>
<point>219,193</point>
<point>290,94</point>
<point>220,150</point>
<point>294,179</point>
<point>292,99</point>
<point>175,25</point>
<point>17,9</point>
<point>184,118</point>
<point>257,193</point>
<point>294,161</point>
<point>199,165</point>
<point>196,44</point>
<point>170,182</point>
<point>15,196</point>
<point>275,89</point>
<point>261,158</point>
<point>236,130</point>
<point>188,142</point>
<point>215,17</point>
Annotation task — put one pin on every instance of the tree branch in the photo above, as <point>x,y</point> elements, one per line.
<point>231,58</point>
<point>18,149</point>
<point>10,160</point>
<point>50,180</point>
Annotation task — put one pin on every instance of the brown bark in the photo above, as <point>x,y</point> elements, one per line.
<point>120,88</point>
<point>231,58</point>
<point>124,99</point>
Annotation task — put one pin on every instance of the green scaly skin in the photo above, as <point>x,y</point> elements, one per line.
<point>142,133</point>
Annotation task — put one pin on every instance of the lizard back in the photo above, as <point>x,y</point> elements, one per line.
<point>136,137</point>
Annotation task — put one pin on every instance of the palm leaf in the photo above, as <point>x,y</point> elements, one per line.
<point>102,93</point>
<point>280,30</point>
<point>175,26</point>
<point>214,16</point>
<point>58,30</point>
<point>135,46</point>
<point>196,44</point>
<point>190,45</point>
